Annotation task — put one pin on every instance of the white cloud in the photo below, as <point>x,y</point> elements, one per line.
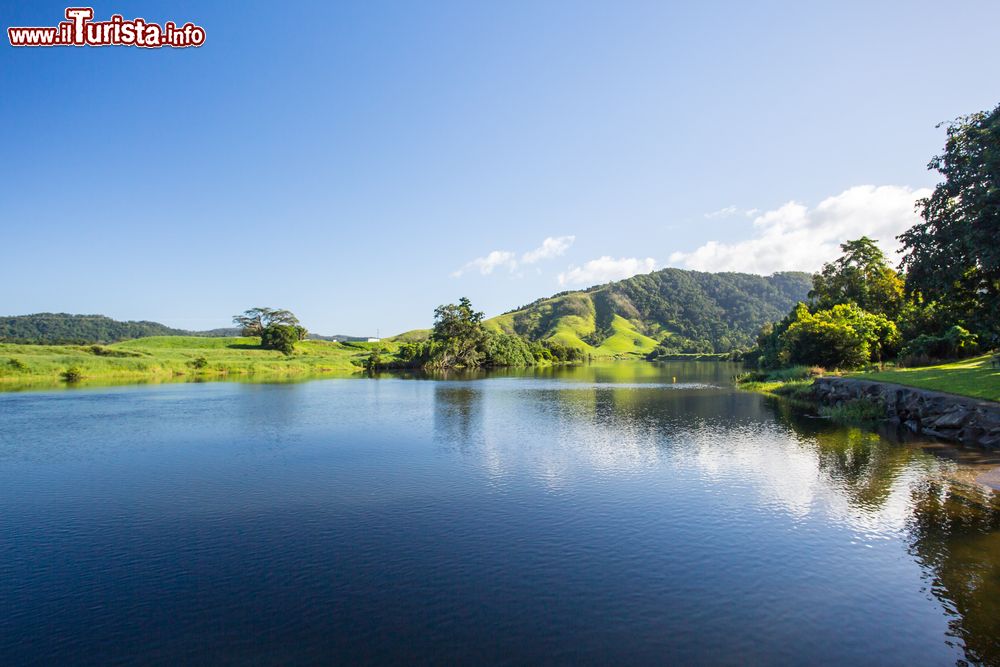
<point>797,238</point>
<point>730,211</point>
<point>604,269</point>
<point>551,247</point>
<point>723,212</point>
<point>486,265</point>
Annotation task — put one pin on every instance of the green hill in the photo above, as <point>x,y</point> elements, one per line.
<point>66,329</point>
<point>62,328</point>
<point>685,311</point>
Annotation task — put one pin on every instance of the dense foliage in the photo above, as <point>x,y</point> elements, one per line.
<point>944,307</point>
<point>64,329</point>
<point>280,337</point>
<point>460,339</point>
<point>861,276</point>
<point>953,256</point>
<point>458,336</point>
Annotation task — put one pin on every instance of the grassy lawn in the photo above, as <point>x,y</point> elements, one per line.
<point>970,377</point>
<point>165,357</point>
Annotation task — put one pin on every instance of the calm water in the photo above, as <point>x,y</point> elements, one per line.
<point>590,515</point>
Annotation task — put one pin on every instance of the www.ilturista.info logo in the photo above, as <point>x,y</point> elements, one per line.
<point>80,30</point>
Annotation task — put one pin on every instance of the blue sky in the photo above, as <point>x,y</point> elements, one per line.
<point>361,163</point>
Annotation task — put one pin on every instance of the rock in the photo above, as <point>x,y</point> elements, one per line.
<point>954,419</point>
<point>989,442</point>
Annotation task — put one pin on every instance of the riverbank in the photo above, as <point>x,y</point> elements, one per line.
<point>977,377</point>
<point>162,357</point>
<point>956,402</point>
<point>960,419</point>
<point>158,359</point>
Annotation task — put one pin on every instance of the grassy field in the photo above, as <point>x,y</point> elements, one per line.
<point>166,357</point>
<point>971,377</point>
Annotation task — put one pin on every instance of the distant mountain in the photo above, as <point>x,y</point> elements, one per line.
<point>66,329</point>
<point>684,311</point>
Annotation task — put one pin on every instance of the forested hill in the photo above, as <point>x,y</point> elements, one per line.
<point>55,328</point>
<point>682,311</point>
<point>66,329</point>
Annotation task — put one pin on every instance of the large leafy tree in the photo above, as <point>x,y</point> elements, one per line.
<point>253,322</point>
<point>861,276</point>
<point>458,334</point>
<point>844,336</point>
<point>953,255</point>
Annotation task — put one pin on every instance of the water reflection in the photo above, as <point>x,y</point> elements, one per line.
<point>624,418</point>
<point>620,513</point>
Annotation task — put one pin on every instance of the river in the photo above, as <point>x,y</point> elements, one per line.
<point>627,513</point>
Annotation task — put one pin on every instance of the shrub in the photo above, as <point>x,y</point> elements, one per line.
<point>102,351</point>
<point>198,363</point>
<point>843,336</point>
<point>72,374</point>
<point>506,350</point>
<point>280,337</point>
<point>414,353</point>
<point>17,364</point>
<point>955,343</point>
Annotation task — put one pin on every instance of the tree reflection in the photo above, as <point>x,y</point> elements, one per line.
<point>953,526</point>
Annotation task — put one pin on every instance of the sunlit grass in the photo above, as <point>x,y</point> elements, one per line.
<point>974,377</point>
<point>174,356</point>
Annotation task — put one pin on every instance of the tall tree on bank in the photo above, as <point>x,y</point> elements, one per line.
<point>861,276</point>
<point>253,322</point>
<point>458,334</point>
<point>953,256</point>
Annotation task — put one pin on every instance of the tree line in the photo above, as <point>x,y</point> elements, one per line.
<point>459,339</point>
<point>942,302</point>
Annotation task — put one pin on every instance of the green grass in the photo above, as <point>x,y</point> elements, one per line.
<point>413,336</point>
<point>970,377</point>
<point>625,339</point>
<point>164,357</point>
<point>861,412</point>
<point>793,382</point>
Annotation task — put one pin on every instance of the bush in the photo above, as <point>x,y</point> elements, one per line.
<point>955,343</point>
<point>506,350</point>
<point>17,364</point>
<point>413,354</point>
<point>374,360</point>
<point>280,337</point>
<point>198,363</point>
<point>72,374</point>
<point>102,351</point>
<point>843,336</point>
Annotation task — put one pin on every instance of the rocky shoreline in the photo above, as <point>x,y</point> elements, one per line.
<point>968,421</point>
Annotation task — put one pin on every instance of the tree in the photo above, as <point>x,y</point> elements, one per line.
<point>503,349</point>
<point>253,322</point>
<point>844,336</point>
<point>458,333</point>
<point>861,276</point>
<point>953,256</point>
<point>281,337</point>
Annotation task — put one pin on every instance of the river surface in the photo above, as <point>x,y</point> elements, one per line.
<point>623,514</point>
